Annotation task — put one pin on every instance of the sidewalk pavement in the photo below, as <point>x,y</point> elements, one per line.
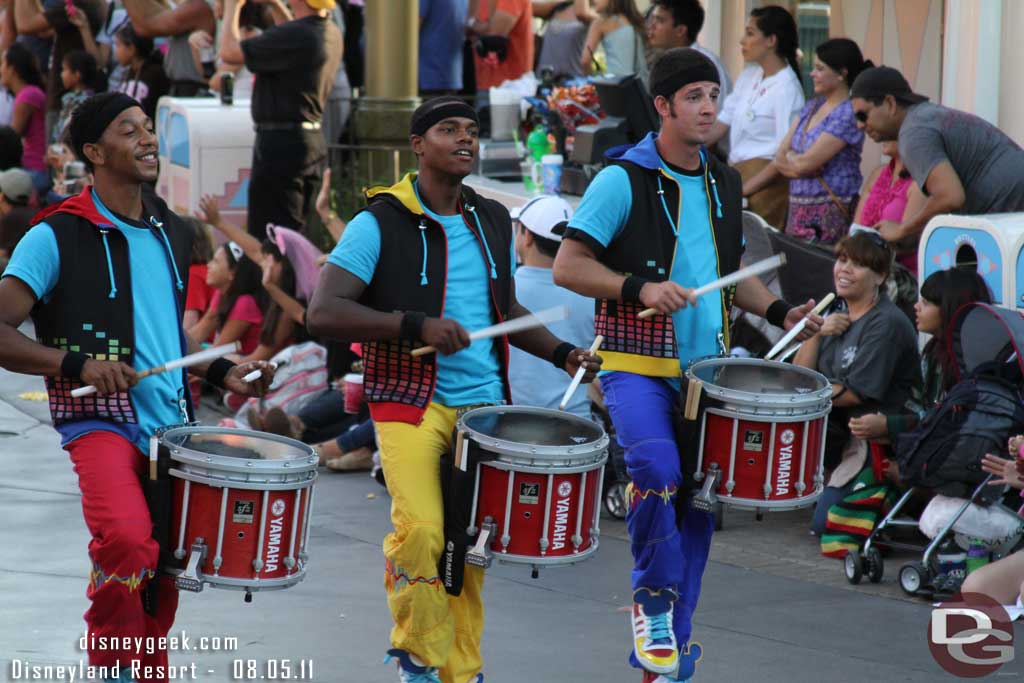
<point>772,610</point>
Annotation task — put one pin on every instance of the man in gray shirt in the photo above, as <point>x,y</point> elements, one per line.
<point>962,163</point>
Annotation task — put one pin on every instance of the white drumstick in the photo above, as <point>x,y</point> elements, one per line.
<point>762,266</point>
<point>578,377</point>
<point>798,328</point>
<point>512,326</point>
<point>184,362</point>
<point>256,374</point>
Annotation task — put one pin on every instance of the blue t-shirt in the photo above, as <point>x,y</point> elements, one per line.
<point>158,398</point>
<point>602,214</point>
<point>472,375</point>
<point>535,381</point>
<point>442,33</point>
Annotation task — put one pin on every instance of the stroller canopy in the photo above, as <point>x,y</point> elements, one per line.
<point>981,333</point>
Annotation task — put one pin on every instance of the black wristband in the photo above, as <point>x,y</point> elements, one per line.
<point>217,371</point>
<point>412,325</point>
<point>631,287</point>
<point>561,354</point>
<point>777,312</point>
<point>72,364</point>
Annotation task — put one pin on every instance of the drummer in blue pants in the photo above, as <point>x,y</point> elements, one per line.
<point>662,219</point>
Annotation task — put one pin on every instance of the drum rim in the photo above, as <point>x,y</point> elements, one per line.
<point>516,450</point>
<point>822,395</point>
<point>309,460</point>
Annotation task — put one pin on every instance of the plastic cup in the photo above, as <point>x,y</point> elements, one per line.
<point>353,393</point>
<point>551,170</point>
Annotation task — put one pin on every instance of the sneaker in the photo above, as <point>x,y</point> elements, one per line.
<point>688,658</point>
<point>654,643</point>
<point>410,672</point>
<point>651,677</point>
<point>479,678</point>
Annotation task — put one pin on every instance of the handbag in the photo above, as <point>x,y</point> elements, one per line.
<point>835,200</point>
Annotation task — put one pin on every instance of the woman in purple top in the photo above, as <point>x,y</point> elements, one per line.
<point>821,153</point>
<point>19,73</point>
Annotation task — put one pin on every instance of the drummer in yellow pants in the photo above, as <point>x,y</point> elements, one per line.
<point>441,629</point>
<point>427,260</point>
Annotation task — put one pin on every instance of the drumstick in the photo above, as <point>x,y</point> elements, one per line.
<point>256,374</point>
<point>578,377</point>
<point>460,453</point>
<point>798,328</point>
<point>693,390</point>
<point>154,452</point>
<point>184,362</point>
<point>525,322</point>
<point>762,266</point>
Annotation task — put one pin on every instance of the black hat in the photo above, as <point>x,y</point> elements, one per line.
<point>880,81</point>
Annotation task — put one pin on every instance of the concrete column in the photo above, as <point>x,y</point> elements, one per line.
<point>1011,103</point>
<point>392,58</point>
<point>971,55</point>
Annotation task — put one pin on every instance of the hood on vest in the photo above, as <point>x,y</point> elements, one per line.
<point>404,193</point>
<point>645,155</point>
<point>83,205</point>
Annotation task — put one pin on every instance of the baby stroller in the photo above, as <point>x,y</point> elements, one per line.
<point>943,453</point>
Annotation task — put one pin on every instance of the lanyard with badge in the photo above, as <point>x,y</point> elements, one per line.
<point>759,92</point>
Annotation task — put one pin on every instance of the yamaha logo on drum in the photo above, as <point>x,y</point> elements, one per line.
<point>277,508</point>
<point>787,437</point>
<point>564,489</point>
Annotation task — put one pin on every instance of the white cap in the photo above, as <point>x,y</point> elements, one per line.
<point>543,215</point>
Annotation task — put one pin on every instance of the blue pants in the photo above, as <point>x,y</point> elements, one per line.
<point>665,555</point>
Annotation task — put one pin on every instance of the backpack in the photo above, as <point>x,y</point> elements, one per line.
<point>976,417</point>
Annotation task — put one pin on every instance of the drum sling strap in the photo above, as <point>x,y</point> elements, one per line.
<point>686,420</point>
<point>156,486</point>
<point>458,485</point>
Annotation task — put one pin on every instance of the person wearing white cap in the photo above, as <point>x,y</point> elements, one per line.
<point>538,233</point>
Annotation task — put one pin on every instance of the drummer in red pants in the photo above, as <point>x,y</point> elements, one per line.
<point>101,276</point>
<point>426,260</point>
<point>661,220</point>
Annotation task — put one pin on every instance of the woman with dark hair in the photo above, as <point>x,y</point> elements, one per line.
<point>821,152</point>
<point>144,79</point>
<point>619,30</point>
<point>19,73</point>
<point>942,293</point>
<point>892,194</point>
<point>236,308</point>
<point>767,98</point>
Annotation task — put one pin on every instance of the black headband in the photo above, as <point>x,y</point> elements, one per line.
<point>439,109</point>
<point>702,70</point>
<point>92,130</point>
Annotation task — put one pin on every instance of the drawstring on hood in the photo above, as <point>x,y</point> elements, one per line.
<point>110,264</point>
<point>170,254</point>
<point>483,238</point>
<point>423,270</point>
<point>714,185</point>
<point>668,214</point>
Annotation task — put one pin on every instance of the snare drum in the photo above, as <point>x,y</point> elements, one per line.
<point>539,483</point>
<point>240,509</point>
<point>763,432</point>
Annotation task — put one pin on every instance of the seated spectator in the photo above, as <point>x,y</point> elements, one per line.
<point>236,309</point>
<point>352,451</point>
<point>78,74</point>
<point>19,73</point>
<point>10,148</point>
<point>144,78</point>
<point>200,294</point>
<point>565,37</point>
<point>15,213</point>
<point>942,294</point>
<point>619,30</point>
<point>538,233</point>
<point>154,19</point>
<point>866,348</point>
<point>893,194</point>
<point>821,152</point>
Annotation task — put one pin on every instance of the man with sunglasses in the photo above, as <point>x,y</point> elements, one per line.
<point>961,162</point>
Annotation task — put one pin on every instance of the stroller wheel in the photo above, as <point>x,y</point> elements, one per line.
<point>873,559</point>
<point>913,578</point>
<point>615,500</point>
<point>852,565</point>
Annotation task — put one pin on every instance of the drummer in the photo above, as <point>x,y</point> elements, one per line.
<point>100,275</point>
<point>427,245</point>
<point>662,219</point>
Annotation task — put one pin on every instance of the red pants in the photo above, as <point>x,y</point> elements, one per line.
<point>124,554</point>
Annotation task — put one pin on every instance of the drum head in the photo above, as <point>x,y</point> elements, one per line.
<point>524,430</point>
<point>755,381</point>
<point>225,449</point>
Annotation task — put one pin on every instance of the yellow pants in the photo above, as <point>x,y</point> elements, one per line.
<point>441,630</point>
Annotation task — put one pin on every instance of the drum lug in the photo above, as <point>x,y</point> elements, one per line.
<point>800,486</point>
<point>191,578</point>
<point>577,541</point>
<point>480,554</point>
<point>706,497</point>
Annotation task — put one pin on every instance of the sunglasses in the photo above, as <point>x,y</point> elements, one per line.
<point>873,236</point>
